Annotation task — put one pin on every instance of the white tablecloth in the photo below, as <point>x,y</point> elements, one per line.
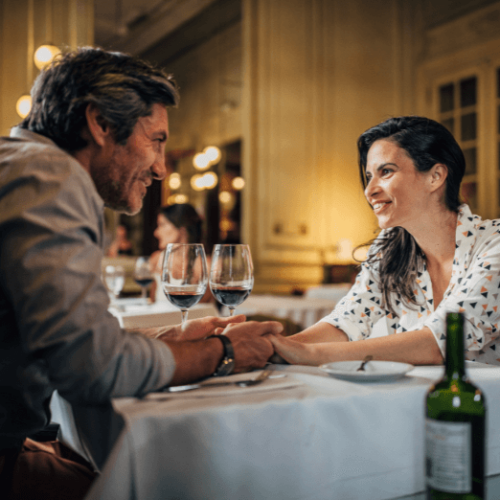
<point>322,439</point>
<point>134,314</point>
<point>303,311</point>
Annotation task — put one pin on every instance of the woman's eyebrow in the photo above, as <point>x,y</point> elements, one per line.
<point>380,167</point>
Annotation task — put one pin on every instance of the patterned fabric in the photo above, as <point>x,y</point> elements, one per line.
<point>473,290</point>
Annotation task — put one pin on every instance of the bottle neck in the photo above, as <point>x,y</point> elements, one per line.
<point>455,358</point>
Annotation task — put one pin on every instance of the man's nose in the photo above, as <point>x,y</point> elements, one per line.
<point>159,167</point>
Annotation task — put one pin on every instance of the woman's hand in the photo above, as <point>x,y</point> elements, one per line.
<point>293,352</point>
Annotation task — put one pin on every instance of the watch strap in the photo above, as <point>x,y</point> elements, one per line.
<point>226,366</point>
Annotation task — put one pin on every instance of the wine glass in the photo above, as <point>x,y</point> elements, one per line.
<point>184,275</point>
<point>143,275</point>
<point>114,277</point>
<point>231,275</point>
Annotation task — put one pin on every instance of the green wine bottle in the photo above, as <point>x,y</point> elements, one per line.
<point>455,427</point>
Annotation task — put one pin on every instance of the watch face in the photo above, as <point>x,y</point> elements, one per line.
<point>226,367</point>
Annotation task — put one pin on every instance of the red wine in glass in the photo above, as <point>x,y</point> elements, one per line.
<point>144,283</point>
<point>231,296</point>
<point>184,300</point>
<point>184,275</point>
<point>231,275</point>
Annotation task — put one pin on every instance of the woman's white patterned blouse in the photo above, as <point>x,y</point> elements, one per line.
<point>474,289</point>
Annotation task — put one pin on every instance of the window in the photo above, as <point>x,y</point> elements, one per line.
<point>458,112</point>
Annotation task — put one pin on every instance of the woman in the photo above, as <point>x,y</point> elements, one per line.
<point>121,245</point>
<point>178,223</point>
<point>431,257</point>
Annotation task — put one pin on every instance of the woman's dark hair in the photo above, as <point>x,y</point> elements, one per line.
<point>122,87</point>
<point>184,215</point>
<point>427,143</point>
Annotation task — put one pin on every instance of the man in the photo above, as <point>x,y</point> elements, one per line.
<point>95,135</point>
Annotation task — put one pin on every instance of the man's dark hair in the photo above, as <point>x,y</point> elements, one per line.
<point>122,87</point>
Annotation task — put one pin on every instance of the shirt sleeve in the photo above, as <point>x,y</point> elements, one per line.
<point>476,296</point>
<point>50,247</point>
<point>361,308</point>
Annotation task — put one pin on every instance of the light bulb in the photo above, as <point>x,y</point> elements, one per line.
<point>238,183</point>
<point>23,106</point>
<point>45,54</point>
<point>201,161</point>
<point>174,181</point>
<point>212,153</point>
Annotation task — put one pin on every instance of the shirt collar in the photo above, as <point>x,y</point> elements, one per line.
<point>28,135</point>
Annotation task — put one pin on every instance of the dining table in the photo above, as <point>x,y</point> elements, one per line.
<point>301,434</point>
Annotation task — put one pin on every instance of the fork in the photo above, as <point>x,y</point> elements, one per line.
<point>362,366</point>
<point>242,383</point>
<point>262,376</point>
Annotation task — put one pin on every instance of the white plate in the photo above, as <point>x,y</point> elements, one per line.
<point>374,370</point>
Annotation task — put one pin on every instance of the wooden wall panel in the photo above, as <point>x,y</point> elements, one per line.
<point>210,82</point>
<point>317,74</point>
<point>26,24</point>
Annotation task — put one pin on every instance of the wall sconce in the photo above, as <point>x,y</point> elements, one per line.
<point>210,156</point>
<point>206,181</point>
<point>201,161</point>
<point>213,154</point>
<point>44,55</point>
<point>174,181</point>
<point>238,183</point>
<point>177,199</point>
<point>23,105</point>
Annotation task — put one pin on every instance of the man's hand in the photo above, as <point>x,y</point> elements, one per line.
<point>197,329</point>
<point>251,343</point>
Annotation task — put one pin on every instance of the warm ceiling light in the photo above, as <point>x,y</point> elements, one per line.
<point>213,154</point>
<point>197,182</point>
<point>45,54</point>
<point>201,161</point>
<point>210,180</point>
<point>225,197</point>
<point>177,198</point>
<point>174,181</point>
<point>23,106</point>
<point>238,183</point>
<point>181,198</point>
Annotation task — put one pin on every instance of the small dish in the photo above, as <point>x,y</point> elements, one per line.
<point>374,370</point>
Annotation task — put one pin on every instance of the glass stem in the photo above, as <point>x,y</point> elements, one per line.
<point>143,292</point>
<point>231,311</point>
<point>184,316</point>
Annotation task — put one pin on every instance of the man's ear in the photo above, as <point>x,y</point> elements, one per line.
<point>97,125</point>
<point>439,173</point>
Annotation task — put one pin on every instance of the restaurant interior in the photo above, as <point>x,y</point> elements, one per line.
<point>283,89</point>
<point>273,97</point>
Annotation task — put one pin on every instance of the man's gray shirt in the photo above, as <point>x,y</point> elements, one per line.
<point>55,329</point>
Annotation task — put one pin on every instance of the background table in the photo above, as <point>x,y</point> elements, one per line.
<point>303,311</point>
<point>134,313</point>
<point>322,439</point>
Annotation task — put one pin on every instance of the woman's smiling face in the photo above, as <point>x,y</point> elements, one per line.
<point>396,190</point>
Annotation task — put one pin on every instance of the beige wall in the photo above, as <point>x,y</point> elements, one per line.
<point>25,25</point>
<point>210,81</point>
<point>317,74</point>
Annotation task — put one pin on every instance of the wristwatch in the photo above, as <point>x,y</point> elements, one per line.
<point>226,366</point>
